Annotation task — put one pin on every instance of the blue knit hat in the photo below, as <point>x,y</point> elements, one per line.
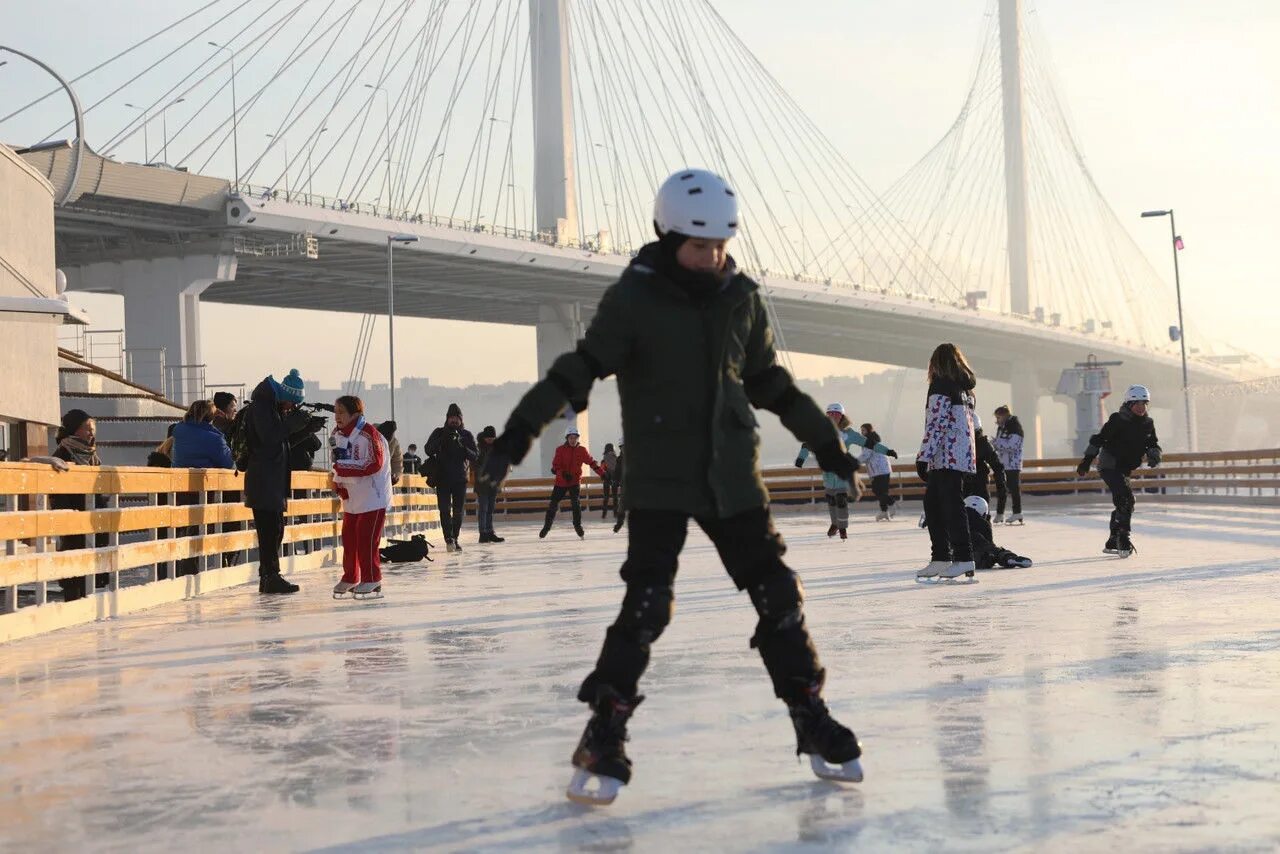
<point>292,390</point>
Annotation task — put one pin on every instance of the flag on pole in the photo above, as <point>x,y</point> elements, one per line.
<point>1177,242</point>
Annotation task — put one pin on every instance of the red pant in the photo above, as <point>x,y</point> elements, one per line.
<point>361,534</point>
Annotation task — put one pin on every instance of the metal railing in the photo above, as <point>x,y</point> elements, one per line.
<point>146,367</point>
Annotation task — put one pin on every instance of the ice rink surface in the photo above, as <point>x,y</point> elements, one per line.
<point>1087,704</point>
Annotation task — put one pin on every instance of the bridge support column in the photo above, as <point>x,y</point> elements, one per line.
<point>161,315</point>
<point>1026,392</point>
<point>559,328</point>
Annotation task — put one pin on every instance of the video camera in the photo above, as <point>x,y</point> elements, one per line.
<point>323,407</point>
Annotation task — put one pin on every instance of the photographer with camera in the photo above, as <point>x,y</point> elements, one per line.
<point>263,438</point>
<point>453,448</point>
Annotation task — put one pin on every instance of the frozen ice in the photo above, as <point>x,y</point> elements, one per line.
<point>1087,703</point>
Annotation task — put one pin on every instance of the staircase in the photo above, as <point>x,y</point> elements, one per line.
<point>132,419</point>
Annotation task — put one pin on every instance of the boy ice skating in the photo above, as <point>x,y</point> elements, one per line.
<point>689,339</point>
<point>1008,445</point>
<point>947,454</point>
<point>1120,445</point>
<point>986,554</point>
<point>838,490</point>
<point>567,465</point>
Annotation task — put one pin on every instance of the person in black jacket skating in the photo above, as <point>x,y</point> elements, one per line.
<point>1127,437</point>
<point>455,449</point>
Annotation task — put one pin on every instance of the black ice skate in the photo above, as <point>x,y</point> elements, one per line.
<point>833,749</point>
<point>1110,547</point>
<point>577,529</point>
<point>602,754</point>
<point>1124,546</point>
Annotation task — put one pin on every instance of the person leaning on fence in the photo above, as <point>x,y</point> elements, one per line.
<point>412,462</point>
<point>225,407</point>
<point>77,446</point>
<point>197,444</point>
<point>271,417</point>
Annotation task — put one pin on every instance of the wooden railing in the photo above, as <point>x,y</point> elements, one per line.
<point>1242,474</point>
<point>175,532</point>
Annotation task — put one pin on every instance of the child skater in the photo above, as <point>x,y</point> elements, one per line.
<point>362,478</point>
<point>878,467</point>
<point>947,454</point>
<point>838,491</point>
<point>1120,445</point>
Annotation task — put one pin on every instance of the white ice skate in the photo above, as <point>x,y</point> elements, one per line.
<point>1015,519</point>
<point>999,520</point>
<point>1124,546</point>
<point>959,572</point>
<point>593,790</point>
<point>342,589</point>
<point>893,512</point>
<point>882,516</point>
<point>367,590</point>
<point>845,772</point>
<point>931,571</point>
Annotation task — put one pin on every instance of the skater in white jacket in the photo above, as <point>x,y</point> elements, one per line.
<point>362,478</point>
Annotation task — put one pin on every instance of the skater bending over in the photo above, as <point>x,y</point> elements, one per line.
<point>362,479</point>
<point>688,337</point>
<point>1008,445</point>
<point>567,465</point>
<point>1119,446</point>
<point>986,554</point>
<point>879,468</point>
<point>839,492</point>
<point>947,454</point>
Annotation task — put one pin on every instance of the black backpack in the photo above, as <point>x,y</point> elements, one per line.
<point>431,470</point>
<point>406,551</point>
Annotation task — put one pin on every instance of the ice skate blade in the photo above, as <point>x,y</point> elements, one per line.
<point>1121,553</point>
<point>580,792</point>
<point>846,772</point>
<point>1110,551</point>
<point>367,597</point>
<point>967,578</point>
<point>341,596</point>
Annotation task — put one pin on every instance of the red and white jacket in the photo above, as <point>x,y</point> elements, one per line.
<point>361,467</point>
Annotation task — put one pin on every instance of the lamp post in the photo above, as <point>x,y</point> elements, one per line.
<point>1182,331</point>
<point>392,240</point>
<point>284,142</point>
<point>164,121</point>
<point>146,146</point>
<point>309,152</point>
<point>235,123</point>
<point>387,133</point>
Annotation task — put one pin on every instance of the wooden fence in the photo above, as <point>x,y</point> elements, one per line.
<point>164,535</point>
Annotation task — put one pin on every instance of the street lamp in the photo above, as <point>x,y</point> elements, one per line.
<point>146,146</point>
<point>1182,331</point>
<point>284,142</point>
<point>392,240</point>
<point>235,123</point>
<point>387,133</point>
<point>164,121</point>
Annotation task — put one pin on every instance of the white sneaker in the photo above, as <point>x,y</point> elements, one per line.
<point>957,569</point>
<point>999,520</point>
<point>341,589</point>
<point>1015,519</point>
<point>932,570</point>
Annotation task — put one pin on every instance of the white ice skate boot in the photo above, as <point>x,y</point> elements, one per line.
<point>999,520</point>
<point>956,569</point>
<point>931,571</point>
<point>367,590</point>
<point>342,589</point>
<point>882,516</point>
<point>1015,519</point>
<point>893,512</point>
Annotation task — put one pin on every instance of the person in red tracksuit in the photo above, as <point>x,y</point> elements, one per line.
<point>567,467</point>
<point>362,478</point>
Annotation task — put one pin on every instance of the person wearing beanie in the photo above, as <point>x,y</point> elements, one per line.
<point>388,431</point>
<point>272,416</point>
<point>609,461</point>
<point>454,449</point>
<point>689,338</point>
<point>486,496</point>
<point>567,467</point>
<point>77,446</point>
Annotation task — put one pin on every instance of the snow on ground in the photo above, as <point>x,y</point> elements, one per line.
<point>1088,703</point>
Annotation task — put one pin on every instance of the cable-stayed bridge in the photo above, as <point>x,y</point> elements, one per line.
<point>521,141</point>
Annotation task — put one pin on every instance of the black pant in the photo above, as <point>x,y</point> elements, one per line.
<point>880,486</point>
<point>751,551</point>
<point>1122,497</point>
<point>75,588</point>
<point>451,499</point>
<point>944,512</point>
<point>269,525</point>
<point>1010,486</point>
<point>575,505</point>
<point>611,488</point>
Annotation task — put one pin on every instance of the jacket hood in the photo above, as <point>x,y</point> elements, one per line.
<point>264,392</point>
<point>657,258</point>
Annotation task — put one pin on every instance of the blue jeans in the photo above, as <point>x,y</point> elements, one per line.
<point>485,504</point>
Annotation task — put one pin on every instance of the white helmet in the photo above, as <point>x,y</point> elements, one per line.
<point>835,407</point>
<point>1137,393</point>
<point>977,504</point>
<point>696,203</point>
<point>572,431</point>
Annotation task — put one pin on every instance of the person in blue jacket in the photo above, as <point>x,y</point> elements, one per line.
<point>197,444</point>
<point>836,489</point>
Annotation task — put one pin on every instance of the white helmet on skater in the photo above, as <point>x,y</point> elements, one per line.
<point>696,203</point>
<point>1137,393</point>
<point>977,504</point>
<point>835,407</point>
<point>572,431</point>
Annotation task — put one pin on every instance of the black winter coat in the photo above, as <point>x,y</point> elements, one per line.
<point>454,447</point>
<point>986,462</point>
<point>266,478</point>
<point>1123,441</point>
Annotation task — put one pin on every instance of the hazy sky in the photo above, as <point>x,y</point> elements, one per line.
<point>1174,103</point>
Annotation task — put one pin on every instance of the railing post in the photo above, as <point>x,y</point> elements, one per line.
<point>113,542</point>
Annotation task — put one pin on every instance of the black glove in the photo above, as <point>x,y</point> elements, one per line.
<point>1083,468</point>
<point>891,453</point>
<point>1153,457</point>
<point>511,447</point>
<point>799,462</point>
<point>835,459</point>
<point>922,469</point>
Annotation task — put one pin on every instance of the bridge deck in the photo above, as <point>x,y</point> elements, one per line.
<point>1086,701</point>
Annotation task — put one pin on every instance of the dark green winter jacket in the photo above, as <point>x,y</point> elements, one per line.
<point>689,371</point>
